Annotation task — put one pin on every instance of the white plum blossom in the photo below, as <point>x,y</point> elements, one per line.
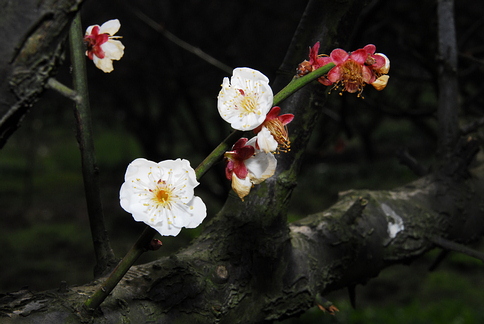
<point>245,99</point>
<point>102,46</point>
<point>162,195</point>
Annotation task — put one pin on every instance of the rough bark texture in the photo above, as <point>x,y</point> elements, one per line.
<point>249,265</point>
<point>34,34</point>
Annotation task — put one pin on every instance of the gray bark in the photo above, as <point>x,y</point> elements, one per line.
<point>34,34</point>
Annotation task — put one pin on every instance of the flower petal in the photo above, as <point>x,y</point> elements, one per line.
<point>245,100</point>
<point>241,186</point>
<point>199,212</point>
<point>381,82</point>
<point>113,49</point>
<point>105,64</point>
<point>161,195</point>
<point>339,56</point>
<point>110,27</point>
<point>266,141</point>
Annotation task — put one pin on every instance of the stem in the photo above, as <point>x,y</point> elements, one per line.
<point>141,244</point>
<point>102,248</point>
<point>217,153</point>
<point>129,259</point>
<point>63,89</point>
<point>453,246</point>
<point>298,83</point>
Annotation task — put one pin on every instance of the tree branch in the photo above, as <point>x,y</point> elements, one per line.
<point>448,88</point>
<point>105,258</point>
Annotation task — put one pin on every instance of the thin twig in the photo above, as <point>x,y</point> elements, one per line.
<point>141,246</point>
<point>453,246</point>
<point>405,158</point>
<point>63,90</point>
<point>105,257</point>
<point>190,48</point>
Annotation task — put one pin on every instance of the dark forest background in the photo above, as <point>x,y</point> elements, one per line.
<point>160,103</point>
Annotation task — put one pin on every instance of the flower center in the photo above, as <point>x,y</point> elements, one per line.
<point>279,132</point>
<point>162,195</point>
<point>248,103</point>
<point>94,42</point>
<point>352,76</point>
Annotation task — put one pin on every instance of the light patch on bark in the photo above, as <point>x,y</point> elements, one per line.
<point>395,225</point>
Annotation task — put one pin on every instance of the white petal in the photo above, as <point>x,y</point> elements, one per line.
<point>198,213</point>
<point>137,195</point>
<point>261,166</point>
<point>245,86</point>
<point>381,82</point>
<point>241,186</point>
<point>110,27</point>
<point>89,29</point>
<point>105,64</point>
<point>113,49</point>
<point>266,141</point>
<point>250,74</point>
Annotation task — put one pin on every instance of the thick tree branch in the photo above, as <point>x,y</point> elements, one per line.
<point>34,32</point>
<point>228,277</point>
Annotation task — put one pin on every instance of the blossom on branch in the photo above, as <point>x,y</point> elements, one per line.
<point>315,61</point>
<point>247,166</point>
<point>352,71</point>
<point>245,99</point>
<point>272,134</point>
<point>102,46</point>
<point>161,195</point>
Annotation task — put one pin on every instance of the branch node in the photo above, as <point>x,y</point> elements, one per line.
<point>355,211</point>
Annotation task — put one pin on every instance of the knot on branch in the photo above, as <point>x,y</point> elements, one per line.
<point>355,211</point>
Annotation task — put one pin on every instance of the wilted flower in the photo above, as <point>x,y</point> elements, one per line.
<point>161,195</point>
<point>245,100</point>
<point>272,133</point>
<point>315,61</point>
<point>354,70</point>
<point>247,166</point>
<point>102,46</point>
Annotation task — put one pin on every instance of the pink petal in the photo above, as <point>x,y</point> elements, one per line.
<point>370,49</point>
<point>359,56</point>
<point>273,113</point>
<point>334,74</point>
<point>313,53</point>
<point>240,143</point>
<point>368,75</point>
<point>286,118</point>
<point>380,62</point>
<point>338,56</point>
<point>323,60</point>
<point>240,170</point>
